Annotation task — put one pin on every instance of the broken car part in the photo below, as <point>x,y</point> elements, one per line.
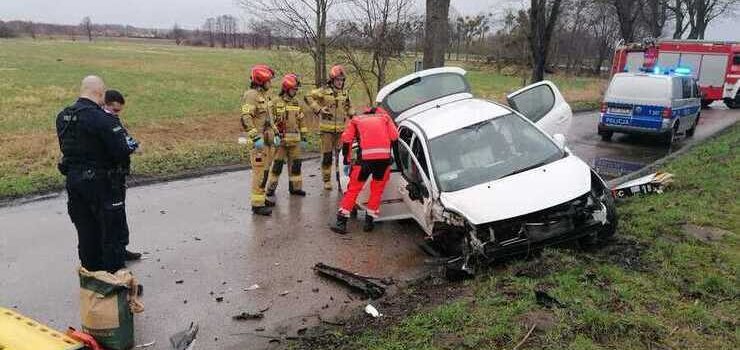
<point>358,283</point>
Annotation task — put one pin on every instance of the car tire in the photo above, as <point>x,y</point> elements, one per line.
<point>670,136</point>
<point>733,103</point>
<point>606,135</point>
<point>690,132</point>
<point>706,103</point>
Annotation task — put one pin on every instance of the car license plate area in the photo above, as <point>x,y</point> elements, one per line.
<point>620,110</point>
<point>617,120</point>
<point>540,231</point>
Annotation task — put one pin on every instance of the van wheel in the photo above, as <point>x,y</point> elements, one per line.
<point>706,103</point>
<point>671,135</point>
<point>606,135</point>
<point>733,103</point>
<point>690,132</point>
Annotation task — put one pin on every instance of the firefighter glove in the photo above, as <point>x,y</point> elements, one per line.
<point>276,141</point>
<point>259,143</point>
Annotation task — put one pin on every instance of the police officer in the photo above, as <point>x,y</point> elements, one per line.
<point>332,105</point>
<point>292,132</point>
<point>114,104</point>
<point>257,121</point>
<point>377,137</point>
<point>92,143</point>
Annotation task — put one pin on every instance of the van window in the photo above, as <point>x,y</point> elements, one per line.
<point>645,87</point>
<point>713,69</point>
<point>736,60</point>
<point>686,88</point>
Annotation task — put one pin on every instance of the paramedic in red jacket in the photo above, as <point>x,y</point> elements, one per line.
<point>377,136</point>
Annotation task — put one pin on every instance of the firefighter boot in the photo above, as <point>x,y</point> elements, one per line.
<point>269,203</point>
<point>264,211</point>
<point>369,223</point>
<point>340,226</point>
<point>301,193</point>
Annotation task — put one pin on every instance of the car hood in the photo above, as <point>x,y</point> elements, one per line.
<point>522,193</point>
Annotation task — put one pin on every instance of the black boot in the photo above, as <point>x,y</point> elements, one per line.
<point>269,203</point>
<point>270,193</point>
<point>369,223</point>
<point>340,226</point>
<point>132,256</point>
<point>264,211</point>
<point>301,193</point>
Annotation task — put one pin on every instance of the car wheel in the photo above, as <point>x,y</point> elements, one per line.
<point>690,132</point>
<point>733,102</point>
<point>706,103</point>
<point>670,136</point>
<point>606,135</point>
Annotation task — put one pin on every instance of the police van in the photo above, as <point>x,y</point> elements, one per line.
<point>667,105</point>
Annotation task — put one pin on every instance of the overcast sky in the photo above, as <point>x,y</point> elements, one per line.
<point>192,13</point>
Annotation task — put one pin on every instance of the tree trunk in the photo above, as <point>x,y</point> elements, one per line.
<point>541,26</point>
<point>320,48</point>
<point>436,33</point>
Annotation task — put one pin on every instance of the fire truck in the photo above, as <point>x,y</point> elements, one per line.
<point>714,64</point>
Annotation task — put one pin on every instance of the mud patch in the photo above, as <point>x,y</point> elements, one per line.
<point>543,320</point>
<point>421,295</point>
<point>625,252</point>
<point>705,234</point>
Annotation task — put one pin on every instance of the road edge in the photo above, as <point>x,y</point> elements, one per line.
<point>652,167</point>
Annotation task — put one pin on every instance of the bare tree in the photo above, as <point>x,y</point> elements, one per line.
<point>436,36</point>
<point>87,27</point>
<point>543,15</point>
<point>701,12</point>
<point>373,37</point>
<point>178,34</point>
<point>603,26</point>
<point>308,18</point>
<point>210,28</point>
<point>628,12</point>
<point>656,15</point>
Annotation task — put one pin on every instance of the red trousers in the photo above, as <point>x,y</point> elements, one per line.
<point>380,171</point>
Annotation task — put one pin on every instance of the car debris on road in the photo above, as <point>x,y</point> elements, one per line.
<point>359,283</point>
<point>184,339</point>
<point>653,183</point>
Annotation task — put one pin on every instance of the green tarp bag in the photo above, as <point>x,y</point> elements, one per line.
<point>107,304</point>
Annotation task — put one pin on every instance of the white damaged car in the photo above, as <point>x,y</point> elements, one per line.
<point>484,180</point>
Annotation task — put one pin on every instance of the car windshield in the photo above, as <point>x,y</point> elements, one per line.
<point>644,87</point>
<point>425,89</point>
<point>488,151</point>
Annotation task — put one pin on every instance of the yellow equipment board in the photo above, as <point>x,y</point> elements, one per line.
<point>18,332</point>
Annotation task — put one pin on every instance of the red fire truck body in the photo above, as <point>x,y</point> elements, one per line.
<point>715,65</point>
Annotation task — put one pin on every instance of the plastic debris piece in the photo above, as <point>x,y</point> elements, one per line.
<point>372,311</point>
<point>183,340</point>
<point>252,287</point>
<point>146,345</point>
<point>244,316</point>
<point>354,281</point>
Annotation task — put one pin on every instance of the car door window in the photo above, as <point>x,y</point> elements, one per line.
<point>534,103</point>
<point>408,168</point>
<point>418,151</point>
<point>405,134</point>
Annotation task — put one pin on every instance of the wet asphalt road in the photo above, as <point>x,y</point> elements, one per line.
<point>201,231</point>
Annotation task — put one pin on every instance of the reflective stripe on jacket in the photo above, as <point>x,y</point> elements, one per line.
<point>375,134</point>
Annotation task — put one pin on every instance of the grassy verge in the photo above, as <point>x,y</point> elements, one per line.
<point>183,102</point>
<point>660,284</point>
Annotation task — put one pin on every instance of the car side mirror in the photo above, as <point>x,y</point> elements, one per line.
<point>559,140</point>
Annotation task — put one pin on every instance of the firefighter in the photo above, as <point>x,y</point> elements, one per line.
<point>256,119</point>
<point>292,132</point>
<point>332,105</point>
<point>377,137</point>
<point>92,143</point>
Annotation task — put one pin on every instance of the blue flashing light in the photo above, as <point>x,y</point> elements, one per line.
<point>656,70</point>
<point>682,71</point>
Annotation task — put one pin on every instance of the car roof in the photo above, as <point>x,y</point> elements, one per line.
<point>445,118</point>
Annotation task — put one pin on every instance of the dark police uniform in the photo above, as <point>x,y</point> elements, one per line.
<point>92,143</point>
<point>119,173</point>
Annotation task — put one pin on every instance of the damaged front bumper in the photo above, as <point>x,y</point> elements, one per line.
<point>583,216</point>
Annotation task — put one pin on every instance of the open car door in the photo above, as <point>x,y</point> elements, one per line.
<point>544,105</point>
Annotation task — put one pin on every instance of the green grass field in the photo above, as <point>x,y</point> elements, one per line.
<point>656,286</point>
<point>183,102</point>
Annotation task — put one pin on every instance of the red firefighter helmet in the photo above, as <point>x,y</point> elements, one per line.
<point>291,81</point>
<point>336,71</point>
<point>261,74</point>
